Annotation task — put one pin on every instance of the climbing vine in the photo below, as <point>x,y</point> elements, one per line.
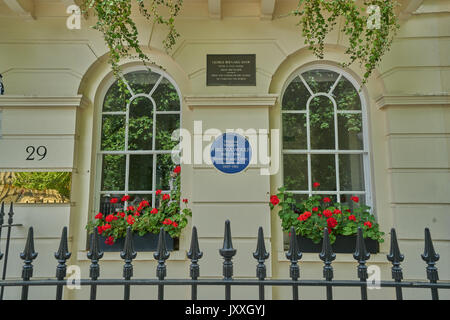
<point>370,28</point>
<point>115,22</point>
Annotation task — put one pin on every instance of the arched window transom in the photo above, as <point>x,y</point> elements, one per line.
<point>325,136</point>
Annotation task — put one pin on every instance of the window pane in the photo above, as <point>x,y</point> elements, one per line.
<point>323,170</point>
<point>114,100</point>
<point>106,207</point>
<point>140,126</point>
<point>113,133</point>
<point>295,171</point>
<point>351,172</point>
<point>346,95</point>
<point>346,200</point>
<point>350,131</point>
<point>166,97</point>
<point>320,80</point>
<point>142,81</point>
<point>321,119</point>
<point>140,174</point>
<point>295,96</point>
<point>164,166</point>
<point>165,125</point>
<point>135,199</point>
<point>294,131</point>
<point>113,172</point>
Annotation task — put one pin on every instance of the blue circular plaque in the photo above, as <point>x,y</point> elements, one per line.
<point>231,153</point>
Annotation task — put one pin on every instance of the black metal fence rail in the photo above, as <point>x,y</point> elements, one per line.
<point>227,252</point>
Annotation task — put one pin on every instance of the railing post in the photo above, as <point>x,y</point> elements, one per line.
<point>327,256</point>
<point>261,255</point>
<point>361,255</point>
<point>194,255</point>
<point>28,255</point>
<point>94,255</point>
<point>2,215</point>
<point>396,258</point>
<point>128,254</point>
<point>161,255</point>
<point>8,239</point>
<point>227,252</point>
<point>294,255</point>
<point>430,257</point>
<point>61,255</point>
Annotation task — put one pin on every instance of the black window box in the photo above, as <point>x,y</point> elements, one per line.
<point>145,243</point>
<point>343,244</point>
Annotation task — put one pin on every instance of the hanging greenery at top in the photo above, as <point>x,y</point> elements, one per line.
<point>114,20</point>
<point>370,27</point>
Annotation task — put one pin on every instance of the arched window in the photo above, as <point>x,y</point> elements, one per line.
<point>325,136</point>
<point>135,144</point>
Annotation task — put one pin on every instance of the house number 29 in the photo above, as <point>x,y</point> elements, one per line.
<point>40,151</point>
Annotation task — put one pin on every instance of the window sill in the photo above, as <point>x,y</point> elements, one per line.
<point>179,255</point>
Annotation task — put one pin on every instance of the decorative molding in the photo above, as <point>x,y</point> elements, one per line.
<point>215,9</point>
<point>267,9</point>
<point>37,102</point>
<point>408,100</point>
<point>231,100</point>
<point>412,6</point>
<point>24,8</point>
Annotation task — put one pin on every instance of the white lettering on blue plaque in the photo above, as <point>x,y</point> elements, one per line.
<point>231,153</point>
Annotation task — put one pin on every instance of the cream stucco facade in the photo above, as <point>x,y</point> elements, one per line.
<point>56,79</point>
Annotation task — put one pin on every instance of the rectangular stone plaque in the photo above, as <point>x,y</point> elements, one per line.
<point>231,70</point>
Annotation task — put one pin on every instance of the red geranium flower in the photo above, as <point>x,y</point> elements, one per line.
<point>106,227</point>
<point>316,184</point>
<point>158,192</point>
<point>177,169</point>
<point>331,222</point>
<point>166,196</point>
<point>327,213</point>
<point>125,198</point>
<point>99,216</point>
<point>130,208</point>
<point>109,241</point>
<point>114,200</point>
<point>100,229</point>
<point>368,224</point>
<point>167,221</point>
<point>130,220</point>
<point>154,211</point>
<point>355,199</point>
<point>337,211</point>
<point>352,217</point>
<point>137,214</point>
<point>175,224</point>
<point>185,200</point>
<point>274,200</point>
<point>326,199</point>
<point>315,209</point>
<point>144,203</point>
<point>122,214</point>
<point>109,218</point>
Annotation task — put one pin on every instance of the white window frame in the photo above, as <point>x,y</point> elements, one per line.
<point>99,153</point>
<point>365,131</point>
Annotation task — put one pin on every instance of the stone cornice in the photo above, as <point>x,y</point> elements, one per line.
<point>8,101</point>
<point>266,100</point>
<point>411,100</point>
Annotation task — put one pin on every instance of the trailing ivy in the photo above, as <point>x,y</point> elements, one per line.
<point>367,42</point>
<point>115,22</point>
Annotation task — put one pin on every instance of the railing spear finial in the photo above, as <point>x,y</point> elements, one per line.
<point>395,257</point>
<point>128,254</point>
<point>227,252</point>
<point>294,255</point>
<point>261,255</point>
<point>94,255</point>
<point>194,254</point>
<point>431,257</point>
<point>327,256</point>
<point>362,255</point>
<point>28,255</point>
<point>161,255</point>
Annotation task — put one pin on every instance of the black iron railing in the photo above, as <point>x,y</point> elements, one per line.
<point>227,252</point>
